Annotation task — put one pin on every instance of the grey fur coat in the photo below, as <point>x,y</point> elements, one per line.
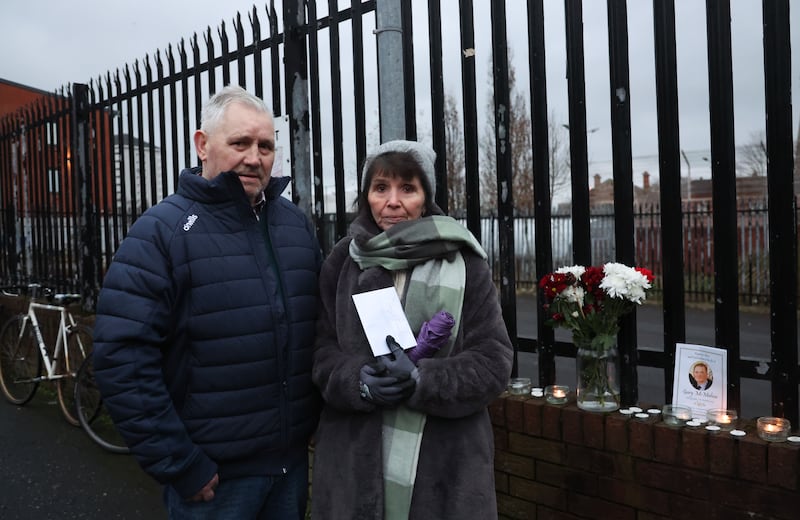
<point>455,476</point>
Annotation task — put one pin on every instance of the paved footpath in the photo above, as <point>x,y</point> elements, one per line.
<point>50,470</point>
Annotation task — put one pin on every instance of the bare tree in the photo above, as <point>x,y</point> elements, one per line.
<point>521,139</point>
<point>454,140</point>
<point>558,157</point>
<point>753,156</point>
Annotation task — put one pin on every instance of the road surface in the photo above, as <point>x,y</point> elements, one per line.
<point>53,471</point>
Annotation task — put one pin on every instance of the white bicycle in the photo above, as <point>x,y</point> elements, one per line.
<point>25,358</point>
<point>92,412</point>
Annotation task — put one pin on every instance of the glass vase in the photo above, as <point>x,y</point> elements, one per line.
<point>598,379</point>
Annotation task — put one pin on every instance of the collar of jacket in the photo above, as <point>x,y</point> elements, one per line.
<point>226,186</point>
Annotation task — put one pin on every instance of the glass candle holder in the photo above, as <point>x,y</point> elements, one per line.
<point>725,419</point>
<point>556,394</point>
<point>675,415</point>
<point>519,386</point>
<point>773,429</point>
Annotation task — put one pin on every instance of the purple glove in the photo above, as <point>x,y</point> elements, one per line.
<point>432,336</point>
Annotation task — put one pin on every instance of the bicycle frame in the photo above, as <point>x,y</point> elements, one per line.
<point>64,323</point>
<point>26,360</point>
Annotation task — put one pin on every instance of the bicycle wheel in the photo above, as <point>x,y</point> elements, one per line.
<point>92,413</point>
<point>79,345</point>
<point>20,362</point>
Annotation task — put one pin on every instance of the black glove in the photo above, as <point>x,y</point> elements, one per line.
<point>382,388</point>
<point>397,361</point>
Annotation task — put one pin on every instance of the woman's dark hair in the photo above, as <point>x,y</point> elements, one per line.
<point>396,164</point>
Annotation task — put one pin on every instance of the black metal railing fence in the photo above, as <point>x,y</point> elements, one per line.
<point>77,168</point>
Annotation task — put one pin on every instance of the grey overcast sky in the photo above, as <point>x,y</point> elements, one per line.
<point>50,43</point>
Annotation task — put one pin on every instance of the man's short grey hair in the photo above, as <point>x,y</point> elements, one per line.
<point>214,109</point>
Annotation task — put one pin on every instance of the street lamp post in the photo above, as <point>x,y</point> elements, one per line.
<point>588,135</point>
<point>688,177</point>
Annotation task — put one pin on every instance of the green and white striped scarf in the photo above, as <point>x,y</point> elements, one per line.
<point>429,247</point>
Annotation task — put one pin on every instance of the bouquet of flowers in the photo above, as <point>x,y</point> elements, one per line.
<point>589,301</point>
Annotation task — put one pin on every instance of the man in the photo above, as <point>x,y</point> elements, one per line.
<point>204,331</point>
<point>699,376</point>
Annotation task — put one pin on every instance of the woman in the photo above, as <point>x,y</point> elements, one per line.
<point>397,440</point>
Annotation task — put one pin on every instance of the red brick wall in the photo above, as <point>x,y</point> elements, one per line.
<point>559,462</point>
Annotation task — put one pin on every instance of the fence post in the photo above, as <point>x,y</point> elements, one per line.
<point>15,234</point>
<point>782,215</point>
<point>297,106</point>
<point>723,190</point>
<point>623,184</point>
<point>671,218</point>
<point>391,95</point>
<point>82,194</point>
<point>505,172</point>
<point>25,229</point>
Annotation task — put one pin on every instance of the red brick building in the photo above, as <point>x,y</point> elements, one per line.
<point>46,155</point>
<point>14,96</point>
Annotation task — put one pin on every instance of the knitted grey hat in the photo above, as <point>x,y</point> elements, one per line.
<point>422,153</point>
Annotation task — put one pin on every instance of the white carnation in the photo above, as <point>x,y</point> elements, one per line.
<point>573,293</point>
<point>621,281</point>
<point>576,270</point>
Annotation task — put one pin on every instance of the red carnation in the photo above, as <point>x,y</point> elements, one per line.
<point>554,283</point>
<point>592,277</point>
<point>646,272</point>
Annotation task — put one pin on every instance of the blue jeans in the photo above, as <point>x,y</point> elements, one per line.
<point>279,497</point>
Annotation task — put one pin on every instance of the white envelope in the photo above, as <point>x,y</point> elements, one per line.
<point>381,315</point>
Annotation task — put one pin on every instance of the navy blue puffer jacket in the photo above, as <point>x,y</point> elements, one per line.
<point>204,334</point>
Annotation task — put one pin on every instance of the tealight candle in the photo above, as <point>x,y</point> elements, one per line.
<point>556,394</point>
<point>773,429</point>
<point>675,415</point>
<point>725,419</point>
<point>519,385</point>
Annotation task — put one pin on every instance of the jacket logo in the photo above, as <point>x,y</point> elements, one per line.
<point>189,222</point>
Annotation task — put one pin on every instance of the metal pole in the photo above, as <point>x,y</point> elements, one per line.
<point>579,165</point>
<point>723,189</point>
<point>782,212</point>
<point>82,194</point>
<point>16,214</point>
<point>624,231</point>
<point>672,236</point>
<point>688,177</point>
<point>505,171</point>
<point>297,106</point>
<point>391,100</point>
